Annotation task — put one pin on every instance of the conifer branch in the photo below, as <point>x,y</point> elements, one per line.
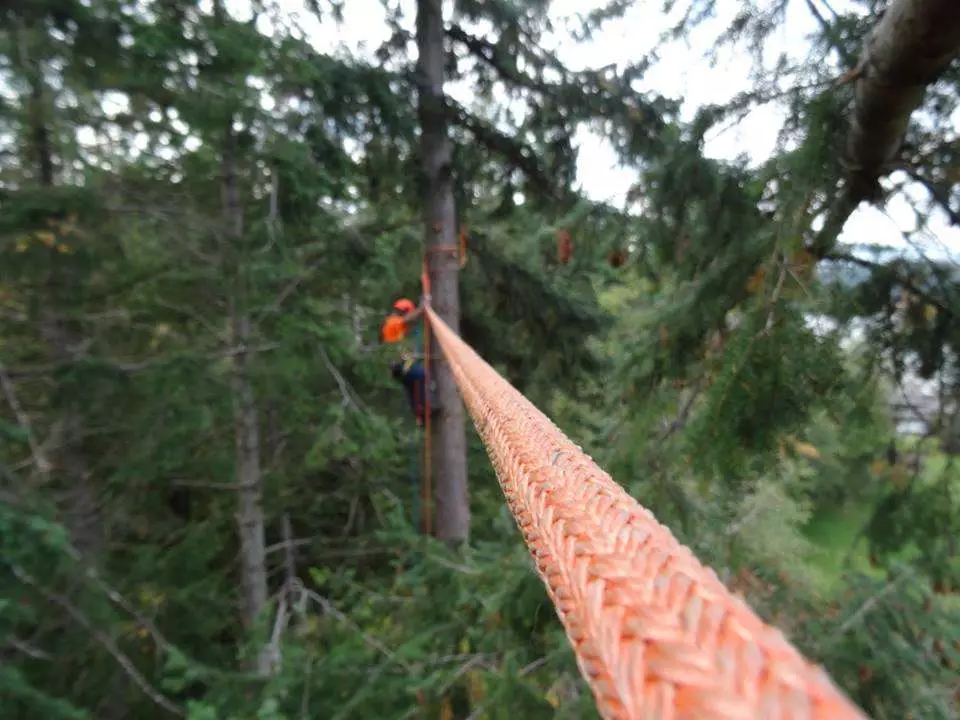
<point>512,150</point>
<point>487,52</point>
<point>683,414</point>
<point>939,196</point>
<point>866,607</point>
<point>27,649</point>
<point>828,30</point>
<point>350,396</point>
<point>329,609</point>
<point>900,278</point>
<point>104,640</point>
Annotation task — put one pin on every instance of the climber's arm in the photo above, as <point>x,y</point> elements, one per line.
<point>411,317</point>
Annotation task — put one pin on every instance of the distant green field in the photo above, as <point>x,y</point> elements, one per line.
<point>834,531</point>
<point>834,534</point>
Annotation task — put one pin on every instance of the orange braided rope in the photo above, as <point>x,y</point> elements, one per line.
<point>656,634</point>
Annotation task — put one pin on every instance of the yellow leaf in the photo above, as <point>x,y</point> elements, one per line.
<point>150,597</point>
<point>929,312</point>
<point>898,476</point>
<point>803,265</point>
<point>140,526</point>
<point>553,694</point>
<point>806,450</point>
<point>308,627</point>
<point>160,331</point>
<point>47,238</point>
<point>664,336</point>
<point>755,283</point>
<point>802,259</point>
<point>446,711</point>
<point>22,245</point>
<point>476,688</point>
<point>62,248</point>
<point>69,226</point>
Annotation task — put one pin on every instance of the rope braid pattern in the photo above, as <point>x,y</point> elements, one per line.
<point>656,634</point>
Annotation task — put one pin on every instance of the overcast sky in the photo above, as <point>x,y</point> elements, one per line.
<point>683,72</point>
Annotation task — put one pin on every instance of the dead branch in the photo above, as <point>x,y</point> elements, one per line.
<point>9,391</point>
<point>27,649</point>
<point>104,640</point>
<point>349,395</point>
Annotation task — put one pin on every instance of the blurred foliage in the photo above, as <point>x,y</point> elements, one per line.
<point>736,386</point>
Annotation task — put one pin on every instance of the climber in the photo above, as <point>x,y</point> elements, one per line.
<point>408,370</point>
<point>397,324</point>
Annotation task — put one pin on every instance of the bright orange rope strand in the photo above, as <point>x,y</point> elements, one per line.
<point>656,634</point>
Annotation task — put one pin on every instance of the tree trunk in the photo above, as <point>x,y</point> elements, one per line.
<point>253,554</point>
<point>911,46</point>
<point>39,143</point>
<point>449,456</point>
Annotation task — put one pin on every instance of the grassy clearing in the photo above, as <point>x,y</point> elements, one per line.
<point>834,531</point>
<point>833,534</point>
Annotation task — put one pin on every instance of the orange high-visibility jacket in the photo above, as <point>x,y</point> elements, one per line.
<point>394,329</point>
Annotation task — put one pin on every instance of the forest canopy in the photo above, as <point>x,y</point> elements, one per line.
<point>713,241</point>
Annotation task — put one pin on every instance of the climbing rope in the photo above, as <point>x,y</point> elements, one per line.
<point>426,505</point>
<point>656,634</point>
<point>416,456</point>
<point>415,460</point>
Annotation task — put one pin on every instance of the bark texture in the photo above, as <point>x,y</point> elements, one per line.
<point>449,456</point>
<point>910,47</point>
<point>913,43</point>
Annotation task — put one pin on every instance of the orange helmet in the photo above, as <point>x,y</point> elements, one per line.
<point>404,305</point>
